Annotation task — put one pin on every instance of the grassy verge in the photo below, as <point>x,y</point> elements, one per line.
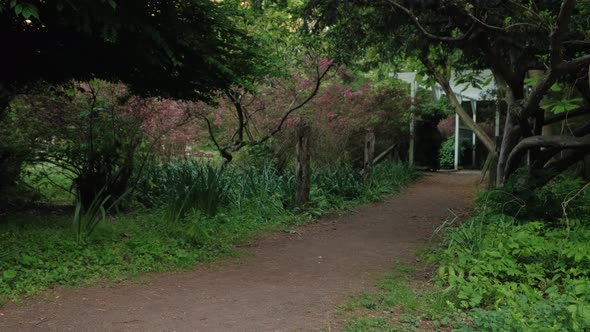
<point>400,303</point>
<point>41,252</point>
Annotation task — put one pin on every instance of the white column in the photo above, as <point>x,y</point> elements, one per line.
<point>456,141</point>
<point>413,91</point>
<point>460,99</point>
<point>473,137</point>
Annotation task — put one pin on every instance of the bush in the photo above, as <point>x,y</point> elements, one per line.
<point>447,151</point>
<point>562,197</point>
<point>522,274</point>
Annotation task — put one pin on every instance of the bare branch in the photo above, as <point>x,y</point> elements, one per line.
<point>559,142</point>
<point>425,32</point>
<point>318,83</point>
<point>497,28</point>
<point>210,129</point>
<point>567,115</point>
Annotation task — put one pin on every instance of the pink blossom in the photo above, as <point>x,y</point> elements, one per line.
<point>324,64</point>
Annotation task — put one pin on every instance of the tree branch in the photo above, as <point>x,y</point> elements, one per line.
<point>223,151</point>
<point>566,115</point>
<point>444,83</point>
<point>425,32</point>
<point>561,28</point>
<point>559,142</point>
<point>318,83</point>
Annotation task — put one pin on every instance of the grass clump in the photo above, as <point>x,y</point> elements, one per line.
<point>396,305</point>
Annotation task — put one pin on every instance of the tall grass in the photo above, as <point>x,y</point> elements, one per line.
<point>190,186</point>
<point>184,186</point>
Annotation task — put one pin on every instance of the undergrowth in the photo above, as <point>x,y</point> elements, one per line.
<point>193,213</point>
<point>521,263</point>
<point>396,305</point>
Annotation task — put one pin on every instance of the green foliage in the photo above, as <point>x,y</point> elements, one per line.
<point>197,212</point>
<point>367,324</point>
<point>564,196</point>
<point>157,49</point>
<point>339,180</point>
<point>447,151</point>
<point>521,275</point>
<point>52,183</point>
<point>42,252</point>
<point>404,306</point>
<point>182,187</point>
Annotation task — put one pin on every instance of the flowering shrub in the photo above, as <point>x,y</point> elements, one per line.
<point>95,130</point>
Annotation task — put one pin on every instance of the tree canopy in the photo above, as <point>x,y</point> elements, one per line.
<point>182,49</point>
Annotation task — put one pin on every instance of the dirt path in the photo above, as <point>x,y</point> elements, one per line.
<point>291,282</point>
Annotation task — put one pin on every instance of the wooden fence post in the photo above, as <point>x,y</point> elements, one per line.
<point>369,153</point>
<point>302,169</point>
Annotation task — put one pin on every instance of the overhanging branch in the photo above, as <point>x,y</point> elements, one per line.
<point>567,115</point>
<point>558,142</point>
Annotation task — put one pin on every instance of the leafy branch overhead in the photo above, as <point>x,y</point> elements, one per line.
<point>184,50</point>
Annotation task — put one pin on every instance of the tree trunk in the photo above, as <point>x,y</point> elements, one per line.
<point>467,120</point>
<point>509,141</point>
<point>369,153</point>
<point>302,169</point>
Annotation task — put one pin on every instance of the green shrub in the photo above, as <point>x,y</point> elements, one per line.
<point>561,197</point>
<point>447,151</point>
<point>339,180</point>
<point>516,275</point>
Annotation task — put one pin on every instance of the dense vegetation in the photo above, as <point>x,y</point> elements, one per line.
<point>537,52</point>
<point>197,212</point>
<point>520,263</point>
<point>142,136</point>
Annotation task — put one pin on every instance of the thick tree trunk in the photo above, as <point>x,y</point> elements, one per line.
<point>557,141</point>
<point>302,168</point>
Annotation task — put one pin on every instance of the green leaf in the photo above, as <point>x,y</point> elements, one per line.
<point>34,12</point>
<point>18,9</point>
<point>26,12</point>
<point>9,274</point>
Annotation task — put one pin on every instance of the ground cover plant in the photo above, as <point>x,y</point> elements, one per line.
<point>520,263</point>
<point>522,274</point>
<point>398,304</point>
<point>195,212</point>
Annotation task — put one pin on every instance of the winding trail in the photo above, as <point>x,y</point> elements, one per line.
<point>283,282</point>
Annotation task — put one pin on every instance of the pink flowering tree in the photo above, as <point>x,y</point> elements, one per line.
<point>251,116</point>
<point>96,131</point>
